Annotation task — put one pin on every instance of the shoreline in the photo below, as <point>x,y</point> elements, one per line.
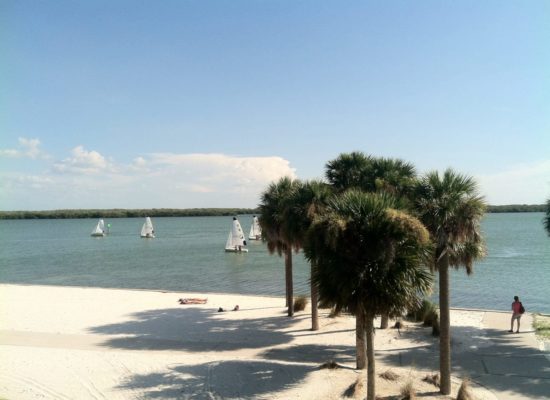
<point>141,343</point>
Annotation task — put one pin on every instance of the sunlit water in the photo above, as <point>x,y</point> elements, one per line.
<point>188,255</point>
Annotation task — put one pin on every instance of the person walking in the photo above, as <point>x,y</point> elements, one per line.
<point>517,309</point>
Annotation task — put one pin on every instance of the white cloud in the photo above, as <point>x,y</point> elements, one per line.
<point>519,184</point>
<point>27,148</point>
<point>82,162</point>
<point>88,179</point>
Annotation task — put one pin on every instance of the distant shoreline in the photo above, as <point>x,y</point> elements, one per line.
<point>193,212</point>
<point>125,213</point>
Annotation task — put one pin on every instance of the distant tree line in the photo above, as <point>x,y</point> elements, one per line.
<point>517,208</point>
<point>194,212</point>
<point>125,213</point>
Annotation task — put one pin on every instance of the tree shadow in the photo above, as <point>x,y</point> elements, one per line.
<point>311,353</point>
<point>219,380</point>
<point>196,330</point>
<point>490,357</point>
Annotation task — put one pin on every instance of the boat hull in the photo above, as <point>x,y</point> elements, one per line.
<point>231,250</point>
<point>147,236</point>
<point>97,235</point>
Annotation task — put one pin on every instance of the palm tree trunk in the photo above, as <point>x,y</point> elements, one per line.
<point>360,340</point>
<point>289,283</point>
<point>314,304</point>
<point>384,321</point>
<point>445,327</point>
<point>371,372</point>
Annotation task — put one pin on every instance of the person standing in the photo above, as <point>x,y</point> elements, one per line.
<point>516,313</point>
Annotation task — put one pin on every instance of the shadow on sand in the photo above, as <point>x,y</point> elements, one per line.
<point>219,380</point>
<point>489,356</point>
<point>196,330</point>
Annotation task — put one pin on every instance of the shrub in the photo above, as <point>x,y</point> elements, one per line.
<point>433,379</point>
<point>389,375</point>
<point>465,393</point>
<point>331,364</point>
<point>419,313</point>
<point>300,303</point>
<point>355,388</point>
<point>408,391</point>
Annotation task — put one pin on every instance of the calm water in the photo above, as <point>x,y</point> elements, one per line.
<point>188,255</point>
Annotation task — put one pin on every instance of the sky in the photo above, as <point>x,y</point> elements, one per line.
<point>183,104</point>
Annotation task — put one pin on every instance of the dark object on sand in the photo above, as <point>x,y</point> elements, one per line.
<point>221,309</point>
<point>329,365</point>
<point>193,300</point>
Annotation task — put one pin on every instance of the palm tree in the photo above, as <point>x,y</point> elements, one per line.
<point>547,217</point>
<point>373,174</point>
<point>309,200</point>
<point>347,170</point>
<point>368,260</point>
<point>279,229</point>
<point>451,209</point>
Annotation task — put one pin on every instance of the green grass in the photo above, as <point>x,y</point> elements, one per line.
<point>542,326</point>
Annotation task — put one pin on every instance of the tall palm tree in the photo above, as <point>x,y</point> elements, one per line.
<point>373,174</point>
<point>451,209</point>
<point>347,170</point>
<point>547,217</point>
<point>368,260</point>
<point>309,200</point>
<point>279,229</point>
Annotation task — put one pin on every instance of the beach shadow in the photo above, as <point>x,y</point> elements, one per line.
<point>490,357</point>
<point>311,353</point>
<point>219,380</point>
<point>195,329</point>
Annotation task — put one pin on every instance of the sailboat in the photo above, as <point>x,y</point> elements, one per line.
<point>147,230</point>
<point>235,241</point>
<point>99,230</point>
<point>255,229</point>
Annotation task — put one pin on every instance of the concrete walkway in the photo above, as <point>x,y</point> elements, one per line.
<point>510,365</point>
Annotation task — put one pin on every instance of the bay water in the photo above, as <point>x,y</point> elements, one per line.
<point>188,256</point>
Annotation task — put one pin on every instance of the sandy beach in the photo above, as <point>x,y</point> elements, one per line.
<point>90,343</point>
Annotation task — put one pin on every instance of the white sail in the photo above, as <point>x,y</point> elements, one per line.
<point>235,240</point>
<point>99,229</point>
<point>255,229</point>
<point>147,230</point>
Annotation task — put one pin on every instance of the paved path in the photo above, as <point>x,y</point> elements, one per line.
<point>508,364</point>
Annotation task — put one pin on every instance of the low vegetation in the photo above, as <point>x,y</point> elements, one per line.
<point>433,379</point>
<point>300,303</point>
<point>541,323</point>
<point>389,375</point>
<point>464,392</point>
<point>408,392</point>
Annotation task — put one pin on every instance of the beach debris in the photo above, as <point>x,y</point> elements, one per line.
<point>389,375</point>
<point>236,308</point>
<point>433,379</point>
<point>331,364</point>
<point>408,391</point>
<point>221,309</point>
<point>464,392</point>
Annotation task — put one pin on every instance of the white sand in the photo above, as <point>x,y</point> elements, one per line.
<point>87,343</point>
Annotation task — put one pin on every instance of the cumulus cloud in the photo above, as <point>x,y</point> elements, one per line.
<point>29,148</point>
<point>88,179</point>
<point>82,162</point>
<point>519,184</point>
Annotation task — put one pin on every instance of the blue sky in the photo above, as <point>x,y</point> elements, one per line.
<point>202,103</point>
